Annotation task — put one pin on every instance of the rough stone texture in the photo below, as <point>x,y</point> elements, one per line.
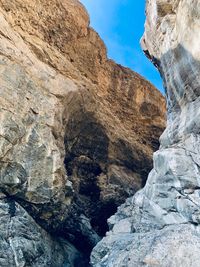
<point>62,100</point>
<point>159,226</point>
<point>24,243</point>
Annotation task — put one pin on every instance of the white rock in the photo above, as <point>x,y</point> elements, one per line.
<point>164,227</point>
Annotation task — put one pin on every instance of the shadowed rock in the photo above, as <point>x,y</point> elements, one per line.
<point>77,131</point>
<point>159,226</point>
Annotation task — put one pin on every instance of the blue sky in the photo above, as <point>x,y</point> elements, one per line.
<point>120,23</point>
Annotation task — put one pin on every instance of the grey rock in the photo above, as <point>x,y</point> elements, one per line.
<point>66,151</point>
<point>24,243</point>
<point>165,215</point>
<point>174,246</point>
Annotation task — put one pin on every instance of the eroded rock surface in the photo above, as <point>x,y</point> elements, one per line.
<point>77,131</point>
<point>159,226</point>
<point>25,243</point>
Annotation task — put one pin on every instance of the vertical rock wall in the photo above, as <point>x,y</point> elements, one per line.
<point>159,226</point>
<point>77,133</point>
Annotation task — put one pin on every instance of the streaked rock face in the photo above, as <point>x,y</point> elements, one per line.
<point>77,133</point>
<point>148,230</point>
<point>25,243</point>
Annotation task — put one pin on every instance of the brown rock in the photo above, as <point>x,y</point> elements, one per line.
<point>159,225</point>
<point>62,98</point>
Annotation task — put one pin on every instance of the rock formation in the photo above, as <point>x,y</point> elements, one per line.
<point>159,226</point>
<point>77,133</point>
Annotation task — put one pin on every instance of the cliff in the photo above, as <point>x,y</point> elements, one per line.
<point>159,226</point>
<point>77,133</point>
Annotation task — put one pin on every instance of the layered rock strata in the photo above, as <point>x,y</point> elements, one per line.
<point>76,137</point>
<point>159,226</point>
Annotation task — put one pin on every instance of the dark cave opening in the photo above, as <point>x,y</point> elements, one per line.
<point>101,215</point>
<point>86,147</point>
<point>97,190</point>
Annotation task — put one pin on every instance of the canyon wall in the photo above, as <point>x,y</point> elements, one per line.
<point>77,133</point>
<point>159,226</point>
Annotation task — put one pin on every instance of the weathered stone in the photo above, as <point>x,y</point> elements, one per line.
<point>24,243</point>
<point>77,131</point>
<point>165,215</point>
<point>171,246</point>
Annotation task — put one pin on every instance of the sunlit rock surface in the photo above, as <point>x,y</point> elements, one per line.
<point>159,226</point>
<point>77,133</point>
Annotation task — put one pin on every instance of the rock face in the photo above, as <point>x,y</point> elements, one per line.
<point>25,243</point>
<point>77,133</point>
<point>159,226</point>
